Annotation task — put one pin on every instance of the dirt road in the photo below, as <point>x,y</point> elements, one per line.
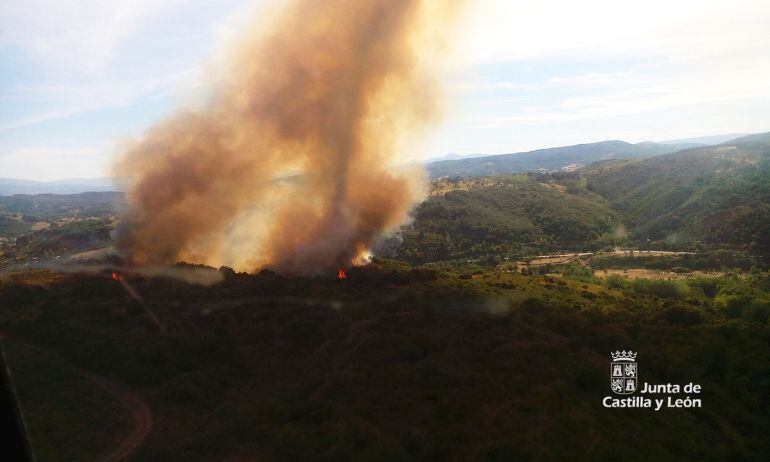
<point>134,405</point>
<point>140,413</point>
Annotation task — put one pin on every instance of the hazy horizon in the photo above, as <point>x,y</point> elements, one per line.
<point>439,158</point>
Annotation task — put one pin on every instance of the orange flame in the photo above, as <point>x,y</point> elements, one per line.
<point>341,274</point>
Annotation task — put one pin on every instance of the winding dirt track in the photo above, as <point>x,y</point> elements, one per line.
<point>139,411</point>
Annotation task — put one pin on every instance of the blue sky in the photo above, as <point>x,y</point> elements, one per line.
<point>79,77</point>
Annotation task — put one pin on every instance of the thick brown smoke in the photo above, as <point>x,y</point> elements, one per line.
<point>291,165</point>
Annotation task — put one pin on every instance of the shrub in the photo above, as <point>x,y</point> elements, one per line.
<point>533,305</point>
<point>614,281</point>
<point>588,295</point>
<point>683,315</point>
<point>660,288</point>
<point>574,270</point>
<point>709,286</point>
<point>734,305</point>
<point>758,311</point>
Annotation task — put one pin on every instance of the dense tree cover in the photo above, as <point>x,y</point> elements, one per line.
<point>401,363</point>
<point>713,260</point>
<point>444,361</point>
<point>24,214</point>
<point>511,216</point>
<point>699,198</point>
<point>68,238</point>
<point>12,226</point>
<point>51,207</point>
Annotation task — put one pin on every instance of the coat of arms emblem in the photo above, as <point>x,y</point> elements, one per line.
<point>623,372</point>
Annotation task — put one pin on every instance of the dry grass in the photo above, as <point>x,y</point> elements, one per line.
<point>642,273</point>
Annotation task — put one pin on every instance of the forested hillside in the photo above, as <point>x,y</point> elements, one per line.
<point>48,226</point>
<point>395,363</point>
<point>698,199</point>
<point>702,198</point>
<point>508,216</point>
<point>708,196</point>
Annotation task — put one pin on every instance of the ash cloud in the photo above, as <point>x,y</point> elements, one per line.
<point>291,164</point>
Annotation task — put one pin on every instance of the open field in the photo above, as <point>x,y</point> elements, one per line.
<point>642,273</point>
<point>584,258</point>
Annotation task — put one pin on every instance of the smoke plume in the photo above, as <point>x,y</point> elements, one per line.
<point>290,166</point>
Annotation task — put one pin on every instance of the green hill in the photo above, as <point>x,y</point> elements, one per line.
<point>701,198</point>
<point>507,216</point>
<point>51,225</point>
<point>10,186</point>
<point>392,364</point>
<point>711,196</point>
<point>52,207</point>
<point>69,238</point>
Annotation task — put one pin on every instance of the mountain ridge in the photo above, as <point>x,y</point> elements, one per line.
<point>698,199</point>
<point>14,186</point>
<point>709,195</point>
<point>550,159</point>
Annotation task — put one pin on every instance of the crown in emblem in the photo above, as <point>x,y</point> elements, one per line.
<point>623,355</point>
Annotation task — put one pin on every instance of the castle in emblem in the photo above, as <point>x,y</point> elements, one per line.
<point>623,372</point>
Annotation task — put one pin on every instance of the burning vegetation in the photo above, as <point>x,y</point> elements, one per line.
<point>291,164</point>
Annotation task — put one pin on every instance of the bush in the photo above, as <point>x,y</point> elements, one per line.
<point>227,272</point>
<point>709,286</point>
<point>575,270</point>
<point>614,281</point>
<point>734,305</point>
<point>533,305</point>
<point>758,311</point>
<point>683,315</point>
<point>660,288</point>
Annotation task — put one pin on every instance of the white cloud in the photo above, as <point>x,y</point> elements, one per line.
<point>592,78</point>
<point>92,55</point>
<point>627,93</point>
<point>500,30</point>
<point>77,98</point>
<point>654,58</point>
<point>72,57</point>
<point>580,67</point>
<point>45,163</point>
<point>75,36</point>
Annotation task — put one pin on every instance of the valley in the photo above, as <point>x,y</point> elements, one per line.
<point>496,308</point>
<point>384,231</point>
